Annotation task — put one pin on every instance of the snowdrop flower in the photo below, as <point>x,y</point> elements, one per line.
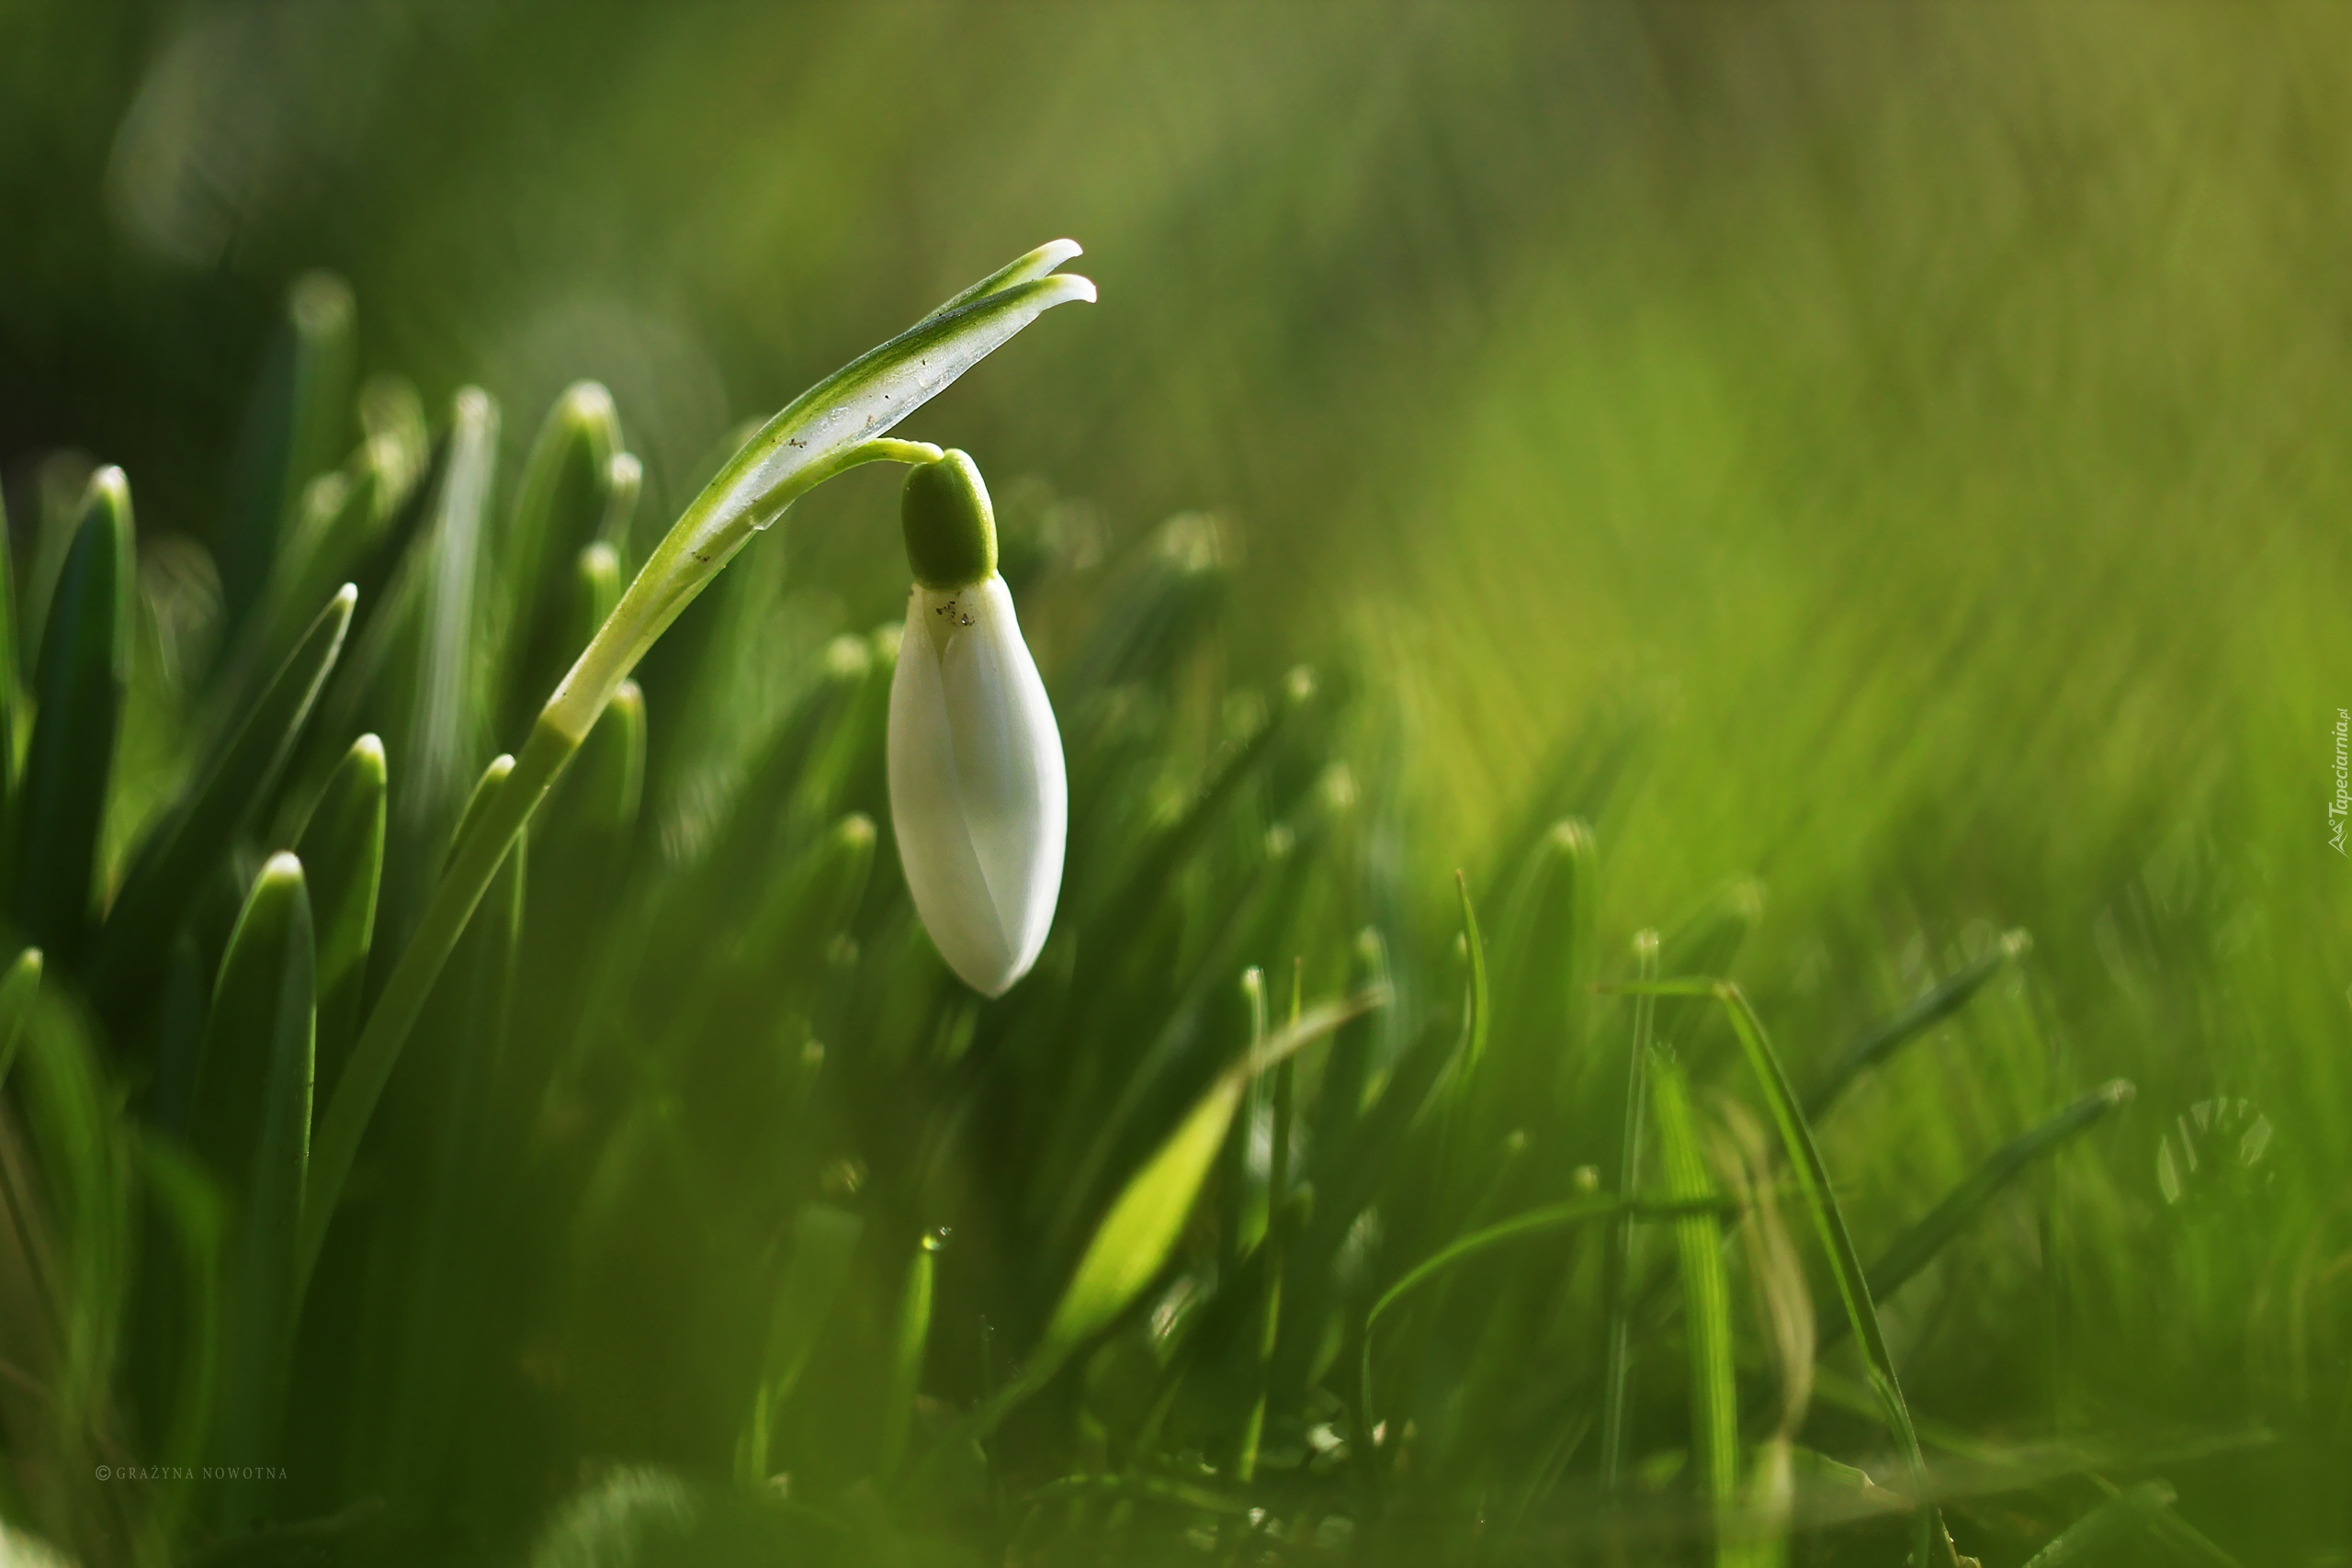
<point>977,794</point>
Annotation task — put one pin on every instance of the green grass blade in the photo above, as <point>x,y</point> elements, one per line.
<point>1243,1200</point>
<point>2130,1513</point>
<point>1706,1297</point>
<point>593,807</point>
<point>1140,1230</point>
<point>1932,1545</point>
<point>1486,1238</point>
<point>1707,943</point>
<point>197,1221</point>
<point>1917,1246</point>
<point>824,1243</point>
<point>908,1342</point>
<point>1617,1363</point>
<point>252,1128</point>
<point>1478,1013</point>
<point>1543,957</point>
<point>563,501</point>
<point>361,1083</point>
<point>447,719</point>
<point>293,430</point>
<point>75,1230</point>
<point>342,849</point>
<point>167,877</point>
<point>1882,1039</point>
<point>83,673</point>
<point>19,988</point>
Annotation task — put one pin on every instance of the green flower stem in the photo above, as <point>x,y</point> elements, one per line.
<point>836,425</point>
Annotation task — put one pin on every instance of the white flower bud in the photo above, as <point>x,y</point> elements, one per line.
<point>978,796</point>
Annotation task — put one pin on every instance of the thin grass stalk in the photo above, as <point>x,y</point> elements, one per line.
<point>1618,1360</point>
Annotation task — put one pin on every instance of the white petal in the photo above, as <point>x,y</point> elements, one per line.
<point>977,792</point>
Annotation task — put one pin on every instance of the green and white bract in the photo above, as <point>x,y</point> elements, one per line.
<point>977,793</point>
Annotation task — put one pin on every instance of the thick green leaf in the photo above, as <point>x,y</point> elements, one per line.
<point>342,849</point>
<point>252,1128</point>
<point>562,504</point>
<point>824,1243</point>
<point>293,430</point>
<point>452,1150</point>
<point>1706,1294</point>
<point>361,1083</point>
<point>73,1226</point>
<point>197,1222</point>
<point>85,669</point>
<point>170,873</point>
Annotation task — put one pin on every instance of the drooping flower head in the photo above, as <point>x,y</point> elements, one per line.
<point>978,796</point>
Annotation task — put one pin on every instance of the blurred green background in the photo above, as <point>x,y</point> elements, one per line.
<point>1924,424</point>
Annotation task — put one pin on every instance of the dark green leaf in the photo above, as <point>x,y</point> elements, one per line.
<point>170,873</point>
<point>293,430</point>
<point>85,668</point>
<point>342,846</point>
<point>564,498</point>
<point>252,1128</point>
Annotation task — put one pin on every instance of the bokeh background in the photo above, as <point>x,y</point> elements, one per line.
<point>1927,422</point>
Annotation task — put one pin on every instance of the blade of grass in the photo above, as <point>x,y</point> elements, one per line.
<point>1882,1039</point>
<point>197,1221</point>
<point>563,500</point>
<point>2132,1511</point>
<point>909,1343</point>
<point>1706,1297</point>
<point>168,876</point>
<point>1916,1247</point>
<point>1617,1359</point>
<point>1932,1544</point>
<point>1140,1229</point>
<point>824,1243</point>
